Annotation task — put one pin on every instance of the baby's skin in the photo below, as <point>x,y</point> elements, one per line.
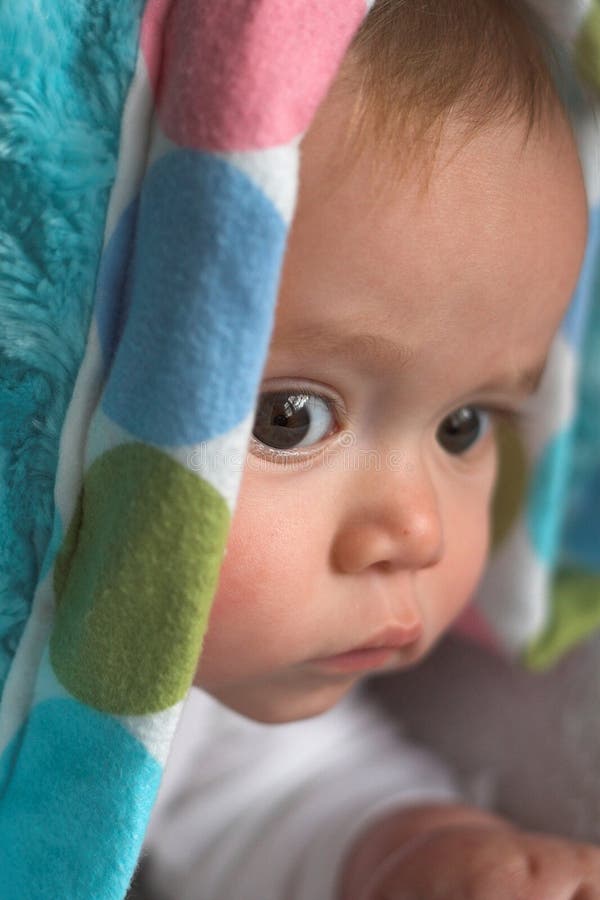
<point>409,321</point>
<point>460,853</point>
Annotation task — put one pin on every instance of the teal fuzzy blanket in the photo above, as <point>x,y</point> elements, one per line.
<point>148,163</point>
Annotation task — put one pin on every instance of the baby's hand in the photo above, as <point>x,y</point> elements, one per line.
<point>455,853</point>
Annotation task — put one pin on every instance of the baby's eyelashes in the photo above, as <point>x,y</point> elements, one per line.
<point>290,421</point>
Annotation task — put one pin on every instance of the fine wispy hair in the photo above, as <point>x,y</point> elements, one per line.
<point>415,63</point>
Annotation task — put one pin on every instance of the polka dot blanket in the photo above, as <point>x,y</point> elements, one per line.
<point>149,156</point>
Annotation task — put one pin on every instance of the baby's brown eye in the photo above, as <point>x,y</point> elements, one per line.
<point>462,429</point>
<point>286,421</point>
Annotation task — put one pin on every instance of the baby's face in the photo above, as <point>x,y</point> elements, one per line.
<point>406,323</point>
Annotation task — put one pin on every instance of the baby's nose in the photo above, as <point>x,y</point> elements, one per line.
<point>392,522</point>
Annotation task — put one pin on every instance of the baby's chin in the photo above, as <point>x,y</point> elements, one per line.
<point>281,703</point>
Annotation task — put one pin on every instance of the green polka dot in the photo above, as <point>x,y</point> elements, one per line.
<point>134,581</point>
<point>511,483</point>
<point>575,615</point>
<point>587,47</point>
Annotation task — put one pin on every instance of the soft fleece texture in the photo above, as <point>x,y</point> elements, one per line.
<point>149,162</point>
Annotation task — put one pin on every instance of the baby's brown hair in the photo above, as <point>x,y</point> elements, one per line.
<point>418,61</point>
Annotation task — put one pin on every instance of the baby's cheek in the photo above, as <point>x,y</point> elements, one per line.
<point>241,580</point>
<point>231,604</point>
<point>468,547</point>
<point>474,562</point>
<point>255,615</point>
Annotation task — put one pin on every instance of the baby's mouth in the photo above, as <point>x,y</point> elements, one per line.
<point>356,660</point>
<point>375,652</point>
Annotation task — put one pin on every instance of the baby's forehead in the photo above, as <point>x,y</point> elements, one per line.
<point>498,161</point>
<point>372,169</point>
<point>493,244</point>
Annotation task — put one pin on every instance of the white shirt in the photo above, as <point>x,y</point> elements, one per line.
<point>248,811</point>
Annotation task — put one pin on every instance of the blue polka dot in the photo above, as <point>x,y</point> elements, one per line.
<point>588,286</point>
<point>112,293</point>
<point>574,320</point>
<point>209,245</point>
<point>581,538</point>
<point>546,495</point>
<point>77,790</point>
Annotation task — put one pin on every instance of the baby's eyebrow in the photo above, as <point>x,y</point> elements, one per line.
<point>522,381</point>
<point>376,350</point>
<point>363,348</point>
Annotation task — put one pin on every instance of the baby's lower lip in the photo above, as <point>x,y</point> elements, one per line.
<point>356,660</point>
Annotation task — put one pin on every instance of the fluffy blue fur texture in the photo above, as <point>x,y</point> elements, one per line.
<point>64,71</point>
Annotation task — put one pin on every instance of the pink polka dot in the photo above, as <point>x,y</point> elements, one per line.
<point>243,74</point>
<point>151,36</point>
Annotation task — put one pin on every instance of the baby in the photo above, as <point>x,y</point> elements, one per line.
<point>427,270</point>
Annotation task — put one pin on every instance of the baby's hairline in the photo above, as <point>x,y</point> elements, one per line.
<point>414,149</point>
<point>405,92</point>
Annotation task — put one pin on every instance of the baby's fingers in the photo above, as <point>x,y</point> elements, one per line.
<point>480,863</point>
<point>562,870</point>
<point>458,863</point>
